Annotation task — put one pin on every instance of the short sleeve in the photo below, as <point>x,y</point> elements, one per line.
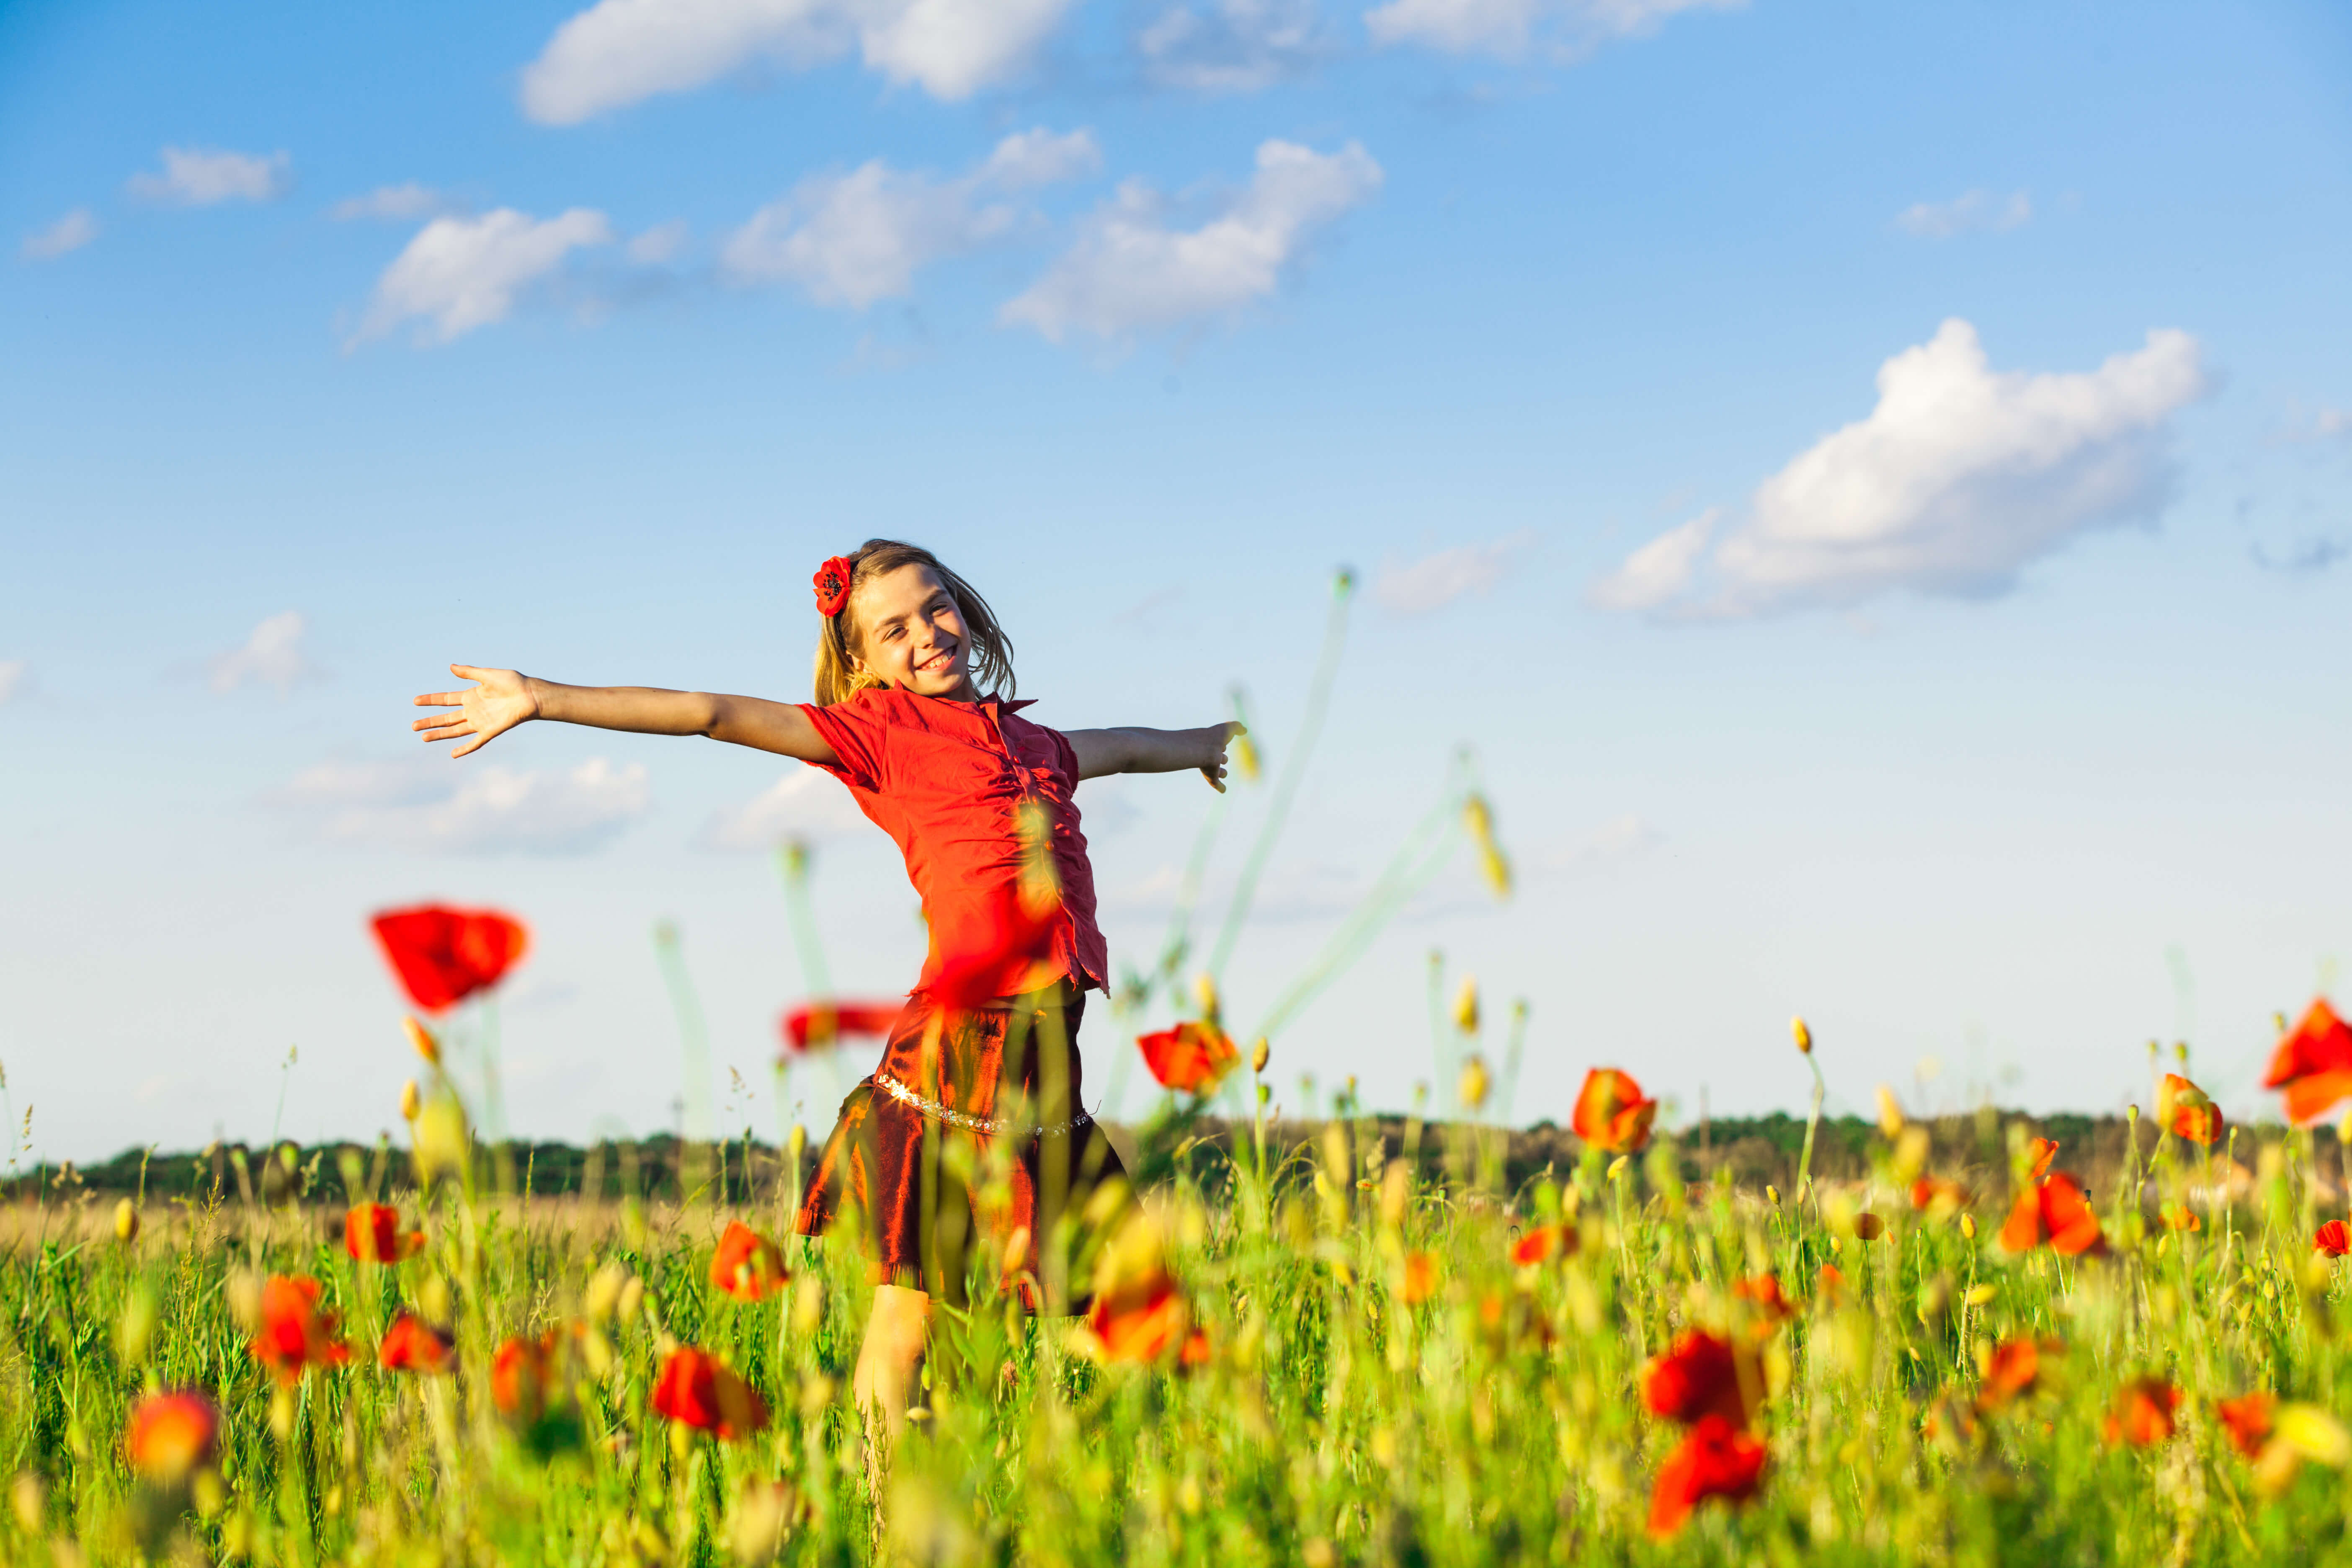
<point>854,738</point>
<point>1066,756</point>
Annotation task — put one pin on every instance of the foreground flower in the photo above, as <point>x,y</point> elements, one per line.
<point>2313,1063</point>
<point>2143,1412</point>
<point>372,1234</point>
<point>2054,1212</point>
<point>1138,1322</point>
<point>2014,1368</point>
<point>1936,1195</point>
<point>1543,1243</point>
<point>170,1434</point>
<point>747,1265</point>
<point>1699,1377</point>
<point>1191,1058</point>
<point>2178,1216</point>
<point>813,1025</point>
<point>1716,1459</point>
<point>2333,1238</point>
<point>695,1390</point>
<point>1419,1279</point>
<point>520,1374</point>
<point>1611,1114</point>
<point>2044,1150</point>
<point>411,1344</point>
<point>2296,1435</point>
<point>2186,1111</point>
<point>444,955</point>
<point>1764,1293</point>
<point>293,1334</point>
<point>2248,1420</point>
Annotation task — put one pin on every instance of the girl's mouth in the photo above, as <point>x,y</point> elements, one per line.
<point>938,661</point>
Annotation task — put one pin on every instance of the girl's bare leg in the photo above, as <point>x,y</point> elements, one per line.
<point>892,1355</point>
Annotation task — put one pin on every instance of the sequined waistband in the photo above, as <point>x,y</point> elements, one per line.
<point>931,1108</point>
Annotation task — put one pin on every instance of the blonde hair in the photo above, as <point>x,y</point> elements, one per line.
<point>838,679</point>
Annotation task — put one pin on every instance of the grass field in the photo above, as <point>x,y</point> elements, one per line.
<point>1363,1349</point>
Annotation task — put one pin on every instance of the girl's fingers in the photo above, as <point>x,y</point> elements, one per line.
<point>475,744</point>
<point>467,672</point>
<point>440,700</point>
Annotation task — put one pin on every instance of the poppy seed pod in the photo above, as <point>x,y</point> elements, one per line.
<point>1803,1036</point>
<point>126,1222</point>
<point>1258,1055</point>
<point>1465,1006</point>
<point>422,1039</point>
<point>1476,1082</point>
<point>411,1100</point>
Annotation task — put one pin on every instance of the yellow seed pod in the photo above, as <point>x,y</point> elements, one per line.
<point>1617,1166</point>
<point>412,1101</point>
<point>1890,1114</point>
<point>1258,1055</point>
<point>1465,1005</point>
<point>1968,1226</point>
<point>1771,1194</point>
<point>1977,1295</point>
<point>422,1039</point>
<point>126,1222</point>
<point>797,1144</point>
<point>1245,755</point>
<point>1804,1036</point>
<point>1475,1081</point>
<point>1205,990</point>
<point>438,1138</point>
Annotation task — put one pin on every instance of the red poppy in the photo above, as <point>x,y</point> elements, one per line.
<point>372,1234</point>
<point>444,955</point>
<point>411,1344</point>
<point>1191,1058</point>
<point>1868,1226</point>
<point>1716,1459</point>
<point>2056,1212</point>
<point>1700,1376</point>
<point>832,583</point>
<point>520,1375</point>
<point>1829,1281</point>
<point>294,1334</point>
<point>694,1390</point>
<point>747,1265</point>
<point>2313,1063</point>
<point>1197,1351</point>
<point>1543,1243</point>
<point>2177,1216</point>
<point>1419,1279</point>
<point>2044,1150</point>
<point>989,955</point>
<point>2186,1110</point>
<point>170,1434</point>
<point>1139,1320</point>
<point>2012,1369</point>
<point>1610,1114</point>
<point>2143,1412</point>
<point>2333,1238</point>
<point>1935,1193</point>
<point>2249,1420</point>
<point>1764,1292</point>
<point>813,1025</point>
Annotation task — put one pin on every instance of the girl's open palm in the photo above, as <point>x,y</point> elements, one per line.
<point>498,704</point>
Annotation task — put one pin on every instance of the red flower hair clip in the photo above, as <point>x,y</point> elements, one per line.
<point>833,586</point>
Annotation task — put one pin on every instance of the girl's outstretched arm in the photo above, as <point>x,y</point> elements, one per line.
<point>505,698</point>
<point>1131,751</point>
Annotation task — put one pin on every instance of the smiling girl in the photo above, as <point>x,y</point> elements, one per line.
<point>913,712</point>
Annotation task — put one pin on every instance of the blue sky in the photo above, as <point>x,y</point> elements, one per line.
<point>1867,481</point>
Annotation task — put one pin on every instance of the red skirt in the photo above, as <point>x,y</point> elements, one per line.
<point>969,1144</point>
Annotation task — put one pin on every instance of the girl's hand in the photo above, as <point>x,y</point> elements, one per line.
<point>502,700</point>
<point>1219,737</point>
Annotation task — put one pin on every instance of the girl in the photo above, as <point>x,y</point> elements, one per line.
<point>981,801</point>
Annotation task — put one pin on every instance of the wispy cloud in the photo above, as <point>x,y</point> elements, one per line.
<point>1975,210</point>
<point>1133,270</point>
<point>1957,479</point>
<point>429,803</point>
<point>396,204</point>
<point>2305,558</point>
<point>852,239</point>
<point>15,680</point>
<point>461,273</point>
<point>203,176</point>
<point>1555,29</point>
<point>804,804</point>
<point>622,52</point>
<point>1437,580</point>
<point>1234,45</point>
<point>69,233</point>
<point>270,656</point>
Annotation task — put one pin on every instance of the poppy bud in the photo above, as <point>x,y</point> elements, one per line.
<point>422,1039</point>
<point>1771,1194</point>
<point>1890,1114</point>
<point>1804,1036</point>
<point>1474,1083</point>
<point>1465,1006</point>
<point>439,1138</point>
<point>411,1102</point>
<point>1617,1166</point>
<point>1968,1226</point>
<point>1258,1055</point>
<point>797,1144</point>
<point>1205,988</point>
<point>126,1221</point>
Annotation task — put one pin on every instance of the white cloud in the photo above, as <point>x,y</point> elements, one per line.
<point>399,204</point>
<point>1437,580</point>
<point>1958,479</point>
<point>1131,271</point>
<point>620,52</point>
<point>659,244</point>
<point>2332,422</point>
<point>429,804</point>
<point>201,176</point>
<point>851,239</point>
<point>1976,210</point>
<point>461,273</point>
<point>271,655</point>
<point>16,678</point>
<point>1234,45</point>
<point>803,803</point>
<point>71,232</point>
<point>1563,29</point>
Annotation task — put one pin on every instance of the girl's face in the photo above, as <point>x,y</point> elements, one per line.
<point>906,630</point>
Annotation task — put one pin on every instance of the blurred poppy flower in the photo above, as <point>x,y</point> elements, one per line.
<point>2333,1238</point>
<point>1610,1114</point>
<point>2054,1210</point>
<point>520,1377</point>
<point>1763,1292</point>
<point>2143,1412</point>
<point>1716,1459</point>
<point>1139,1322</point>
<point>372,1234</point>
<point>2247,1419</point>
<point>170,1434</point>
<point>411,1344</point>
<point>1701,1376</point>
<point>2044,1150</point>
<point>1936,1195</point>
<point>444,955</point>
<point>1197,1351</point>
<point>2186,1111</point>
<point>694,1390</point>
<point>1191,1058</point>
<point>1868,1226</point>
<point>2013,1369</point>
<point>1419,1279</point>
<point>1829,1281</point>
<point>1542,1244</point>
<point>813,1025</point>
<point>2177,1216</point>
<point>292,1333</point>
<point>987,956</point>
<point>747,1265</point>
<point>2313,1063</point>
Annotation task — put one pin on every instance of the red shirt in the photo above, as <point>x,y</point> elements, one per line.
<point>944,778</point>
